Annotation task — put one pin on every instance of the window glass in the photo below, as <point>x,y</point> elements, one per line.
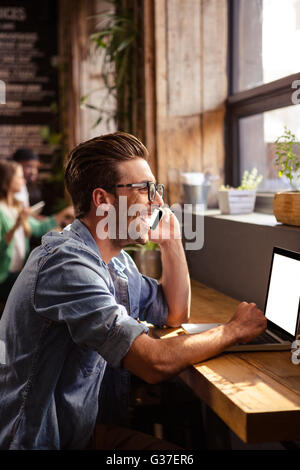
<point>266,41</point>
<point>257,135</point>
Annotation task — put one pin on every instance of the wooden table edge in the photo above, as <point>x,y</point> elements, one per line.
<point>250,427</point>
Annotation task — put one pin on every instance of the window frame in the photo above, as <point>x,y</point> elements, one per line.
<point>269,96</point>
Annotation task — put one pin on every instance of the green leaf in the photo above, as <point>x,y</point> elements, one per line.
<point>100,43</point>
<point>45,132</point>
<point>97,122</point>
<point>125,43</point>
<point>90,106</point>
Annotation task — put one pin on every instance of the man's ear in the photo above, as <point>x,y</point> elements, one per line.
<point>100,196</point>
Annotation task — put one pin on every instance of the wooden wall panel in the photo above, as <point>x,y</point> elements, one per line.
<point>181,151</point>
<point>80,70</point>
<point>214,57</point>
<point>180,109</point>
<point>68,86</point>
<point>214,90</point>
<point>213,156</point>
<point>190,138</point>
<point>178,138</point>
<point>149,101</point>
<point>184,57</point>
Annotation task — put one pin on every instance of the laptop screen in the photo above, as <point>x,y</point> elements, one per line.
<point>282,305</point>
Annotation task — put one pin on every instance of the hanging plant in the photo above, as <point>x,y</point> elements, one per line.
<point>116,36</point>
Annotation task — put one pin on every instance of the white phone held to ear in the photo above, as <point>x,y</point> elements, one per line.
<point>155,218</point>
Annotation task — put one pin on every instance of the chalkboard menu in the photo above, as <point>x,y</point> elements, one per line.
<point>29,69</point>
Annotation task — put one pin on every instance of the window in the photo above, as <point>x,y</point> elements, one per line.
<point>263,65</point>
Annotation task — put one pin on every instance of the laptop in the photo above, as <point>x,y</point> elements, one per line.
<point>282,306</point>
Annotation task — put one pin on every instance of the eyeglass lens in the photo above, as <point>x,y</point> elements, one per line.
<point>153,189</point>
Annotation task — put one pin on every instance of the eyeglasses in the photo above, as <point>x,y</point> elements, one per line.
<point>152,188</point>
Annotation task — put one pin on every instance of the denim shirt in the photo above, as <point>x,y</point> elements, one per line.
<point>68,315</point>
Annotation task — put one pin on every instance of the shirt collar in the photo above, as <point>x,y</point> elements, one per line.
<point>117,264</point>
<point>83,232</point>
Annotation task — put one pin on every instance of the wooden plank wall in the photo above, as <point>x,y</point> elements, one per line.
<point>69,110</point>
<point>191,88</point>
<point>149,89</point>
<point>80,70</point>
<point>182,84</point>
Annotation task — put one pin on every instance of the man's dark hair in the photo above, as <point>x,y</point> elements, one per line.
<point>94,164</point>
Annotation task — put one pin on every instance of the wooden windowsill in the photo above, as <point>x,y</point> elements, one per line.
<point>256,218</point>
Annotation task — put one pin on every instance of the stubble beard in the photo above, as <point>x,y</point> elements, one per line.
<point>122,242</point>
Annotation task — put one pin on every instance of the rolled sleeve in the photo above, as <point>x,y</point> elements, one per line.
<point>120,338</point>
<point>153,305</point>
<point>71,291</point>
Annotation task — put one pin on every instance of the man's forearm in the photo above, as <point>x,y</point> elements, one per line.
<point>155,360</point>
<point>176,282</point>
<point>158,359</point>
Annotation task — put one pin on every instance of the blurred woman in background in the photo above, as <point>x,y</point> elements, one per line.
<point>17,225</point>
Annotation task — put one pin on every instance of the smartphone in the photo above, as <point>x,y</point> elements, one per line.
<point>155,218</point>
<point>36,208</point>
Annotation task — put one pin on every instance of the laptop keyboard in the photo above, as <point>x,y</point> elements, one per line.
<point>263,339</point>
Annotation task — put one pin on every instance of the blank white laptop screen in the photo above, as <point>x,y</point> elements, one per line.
<point>284,293</point>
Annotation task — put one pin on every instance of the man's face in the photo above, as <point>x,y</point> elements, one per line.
<point>136,171</point>
<point>30,169</point>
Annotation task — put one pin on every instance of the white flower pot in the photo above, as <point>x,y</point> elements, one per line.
<point>295,183</point>
<point>236,201</point>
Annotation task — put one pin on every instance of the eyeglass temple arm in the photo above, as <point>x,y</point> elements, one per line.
<point>133,185</point>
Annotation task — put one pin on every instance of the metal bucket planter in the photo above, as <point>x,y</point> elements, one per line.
<point>196,194</point>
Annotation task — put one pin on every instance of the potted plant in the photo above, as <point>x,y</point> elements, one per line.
<point>286,204</point>
<point>117,36</point>
<point>147,258</point>
<point>240,200</point>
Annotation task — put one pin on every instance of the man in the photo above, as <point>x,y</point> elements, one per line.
<point>30,193</point>
<point>76,306</point>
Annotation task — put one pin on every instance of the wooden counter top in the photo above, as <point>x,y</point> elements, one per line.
<point>257,394</point>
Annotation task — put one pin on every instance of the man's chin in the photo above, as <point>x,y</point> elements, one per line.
<point>138,241</point>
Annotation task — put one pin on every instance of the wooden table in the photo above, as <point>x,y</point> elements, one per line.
<point>257,394</point>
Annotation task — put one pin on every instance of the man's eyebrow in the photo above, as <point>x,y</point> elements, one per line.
<point>142,182</point>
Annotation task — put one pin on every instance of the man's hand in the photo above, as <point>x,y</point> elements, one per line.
<point>248,322</point>
<point>167,229</point>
